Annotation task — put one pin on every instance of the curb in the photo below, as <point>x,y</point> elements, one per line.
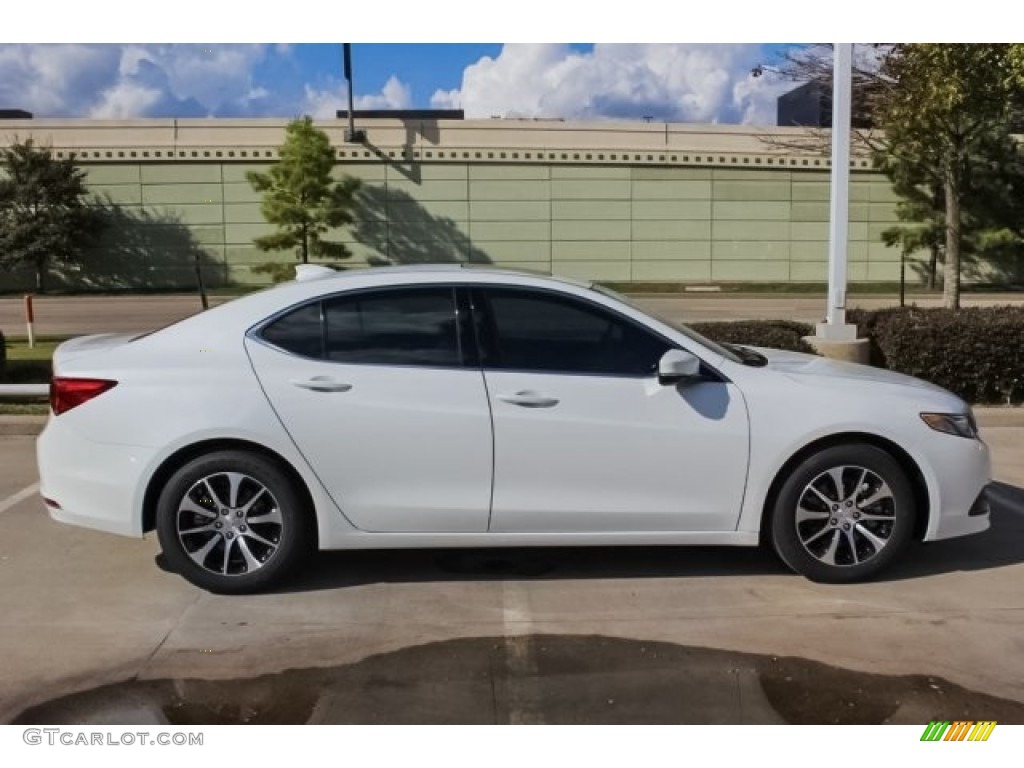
<point>30,425</point>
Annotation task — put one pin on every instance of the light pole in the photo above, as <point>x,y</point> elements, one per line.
<point>353,135</point>
<point>835,328</point>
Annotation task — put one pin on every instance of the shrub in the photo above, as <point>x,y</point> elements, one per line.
<point>3,355</point>
<point>978,353</point>
<point>774,334</point>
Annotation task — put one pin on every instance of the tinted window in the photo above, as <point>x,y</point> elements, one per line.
<point>542,332</point>
<point>396,327</point>
<point>299,331</point>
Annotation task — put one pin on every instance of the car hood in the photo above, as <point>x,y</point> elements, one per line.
<point>802,366</point>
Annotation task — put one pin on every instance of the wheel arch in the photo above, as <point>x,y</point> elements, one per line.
<point>183,455</point>
<point>922,499</point>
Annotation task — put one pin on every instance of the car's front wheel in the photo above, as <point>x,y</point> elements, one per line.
<point>232,522</point>
<point>843,514</point>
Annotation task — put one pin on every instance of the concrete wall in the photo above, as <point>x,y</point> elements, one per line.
<point>618,202</point>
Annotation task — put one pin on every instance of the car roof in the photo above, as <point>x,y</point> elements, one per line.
<point>459,271</point>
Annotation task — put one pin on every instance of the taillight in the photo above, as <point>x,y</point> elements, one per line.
<point>66,393</point>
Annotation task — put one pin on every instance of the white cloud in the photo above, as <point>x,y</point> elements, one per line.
<point>394,95</point>
<point>672,82</point>
<point>325,103</point>
<point>131,80</point>
<point>125,100</point>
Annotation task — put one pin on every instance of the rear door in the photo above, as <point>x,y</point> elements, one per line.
<point>373,388</point>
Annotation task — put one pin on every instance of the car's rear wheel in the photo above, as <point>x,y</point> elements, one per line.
<point>232,522</point>
<point>843,514</point>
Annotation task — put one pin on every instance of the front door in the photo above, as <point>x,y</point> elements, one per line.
<point>586,439</point>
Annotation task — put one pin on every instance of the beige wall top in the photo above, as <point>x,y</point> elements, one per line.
<point>437,140</point>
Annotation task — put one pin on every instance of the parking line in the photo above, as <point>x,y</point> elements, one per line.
<point>19,497</point>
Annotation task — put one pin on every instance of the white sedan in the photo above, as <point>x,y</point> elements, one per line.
<point>452,407</point>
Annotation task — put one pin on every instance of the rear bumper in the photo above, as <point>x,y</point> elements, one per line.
<point>94,483</point>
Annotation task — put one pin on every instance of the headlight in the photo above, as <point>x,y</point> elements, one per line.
<point>959,424</point>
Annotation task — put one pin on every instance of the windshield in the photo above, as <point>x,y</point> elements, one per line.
<point>715,347</point>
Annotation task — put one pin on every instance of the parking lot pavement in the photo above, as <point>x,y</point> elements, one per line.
<point>519,636</point>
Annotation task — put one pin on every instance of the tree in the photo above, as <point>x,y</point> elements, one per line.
<point>947,112</point>
<point>46,220</point>
<point>301,198</point>
<point>941,117</point>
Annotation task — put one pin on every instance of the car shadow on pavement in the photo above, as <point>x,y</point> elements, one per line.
<point>333,570</point>
<point>1001,545</point>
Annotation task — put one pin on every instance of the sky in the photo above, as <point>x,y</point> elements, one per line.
<point>672,82</point>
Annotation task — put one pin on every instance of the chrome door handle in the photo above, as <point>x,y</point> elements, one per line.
<point>529,399</point>
<point>322,384</point>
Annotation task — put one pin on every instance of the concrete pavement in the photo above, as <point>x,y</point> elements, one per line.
<point>77,315</point>
<point>80,609</point>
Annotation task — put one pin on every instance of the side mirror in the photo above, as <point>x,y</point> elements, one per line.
<point>677,366</point>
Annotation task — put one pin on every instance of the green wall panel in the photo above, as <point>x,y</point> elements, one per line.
<point>760,211</point>
<point>695,271</point>
<point>509,210</point>
<point>501,172</point>
<point>671,209</point>
<point>749,251</point>
<point>588,209</point>
<point>644,173</point>
<point>593,270</point>
<point>243,213</point>
<point>118,194</point>
<point>751,190</point>
<point>440,211</point>
<point>661,250</point>
<point>187,194</point>
<point>599,189</point>
<point>590,230</point>
<point>652,222</point>
<point>182,173</point>
<point>590,172</point>
<point>750,271</point>
<point>671,230</point>
<point>597,250</point>
<point>509,190</point>
<point>240,193</point>
<point>532,251</point>
<point>671,190</point>
<point>128,173</point>
<point>750,230</point>
<point>426,189</point>
<point>510,230</point>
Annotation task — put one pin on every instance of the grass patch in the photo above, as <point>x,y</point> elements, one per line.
<point>29,365</point>
<point>24,409</point>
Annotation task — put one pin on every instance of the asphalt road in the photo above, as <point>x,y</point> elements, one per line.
<point>76,315</point>
<point>91,630</point>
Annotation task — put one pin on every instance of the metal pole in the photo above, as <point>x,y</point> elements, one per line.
<point>839,209</point>
<point>351,135</point>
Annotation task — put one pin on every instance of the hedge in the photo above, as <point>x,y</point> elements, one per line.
<point>978,353</point>
<point>774,334</point>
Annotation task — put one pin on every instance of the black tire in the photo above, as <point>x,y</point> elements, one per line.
<point>248,547</point>
<point>832,540</point>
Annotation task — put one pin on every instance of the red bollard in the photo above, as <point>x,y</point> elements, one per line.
<point>30,320</point>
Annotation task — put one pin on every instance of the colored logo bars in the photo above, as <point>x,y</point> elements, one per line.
<point>958,730</point>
